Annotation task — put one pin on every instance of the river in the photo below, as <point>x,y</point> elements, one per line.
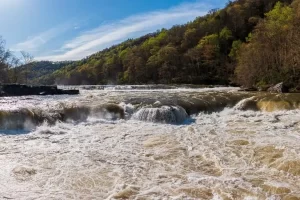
<point>148,142</point>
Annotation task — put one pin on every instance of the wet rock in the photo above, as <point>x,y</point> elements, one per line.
<point>25,90</point>
<point>279,88</point>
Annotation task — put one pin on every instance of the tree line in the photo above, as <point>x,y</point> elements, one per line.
<point>24,69</point>
<point>249,42</point>
<point>272,52</point>
<point>12,68</point>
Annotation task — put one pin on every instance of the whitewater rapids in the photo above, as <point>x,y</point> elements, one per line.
<point>150,143</point>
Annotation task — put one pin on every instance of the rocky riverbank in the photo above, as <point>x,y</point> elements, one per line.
<point>278,88</point>
<point>26,90</point>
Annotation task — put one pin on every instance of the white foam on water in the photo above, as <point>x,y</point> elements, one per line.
<point>231,154</point>
<point>163,114</point>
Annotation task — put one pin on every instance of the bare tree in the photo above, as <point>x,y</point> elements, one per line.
<point>14,75</point>
<point>28,62</point>
<point>5,55</point>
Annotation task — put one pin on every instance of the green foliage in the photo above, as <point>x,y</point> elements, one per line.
<point>279,17</point>
<point>226,34</point>
<point>249,37</point>
<point>246,33</point>
<point>37,70</point>
<point>212,39</point>
<point>270,56</point>
<point>236,45</point>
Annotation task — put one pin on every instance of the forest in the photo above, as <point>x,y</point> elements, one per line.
<point>253,43</point>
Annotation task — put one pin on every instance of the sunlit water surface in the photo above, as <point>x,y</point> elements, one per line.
<point>225,153</point>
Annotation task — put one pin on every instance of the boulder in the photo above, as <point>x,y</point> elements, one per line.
<point>279,88</point>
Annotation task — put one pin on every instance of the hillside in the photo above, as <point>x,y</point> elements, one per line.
<point>249,42</point>
<point>35,70</point>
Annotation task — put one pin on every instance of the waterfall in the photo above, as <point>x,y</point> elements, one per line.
<point>163,114</point>
<point>246,104</point>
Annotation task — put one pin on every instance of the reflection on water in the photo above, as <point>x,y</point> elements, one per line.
<point>103,153</point>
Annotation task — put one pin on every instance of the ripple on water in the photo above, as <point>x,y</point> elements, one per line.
<point>22,173</point>
<point>231,154</point>
<point>290,166</point>
<point>267,155</point>
<point>198,193</point>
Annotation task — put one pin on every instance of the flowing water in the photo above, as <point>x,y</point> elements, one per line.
<point>151,142</point>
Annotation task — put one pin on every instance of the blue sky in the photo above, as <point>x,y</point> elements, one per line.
<point>73,29</point>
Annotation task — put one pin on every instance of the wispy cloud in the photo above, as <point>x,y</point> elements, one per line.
<point>107,34</point>
<point>33,43</point>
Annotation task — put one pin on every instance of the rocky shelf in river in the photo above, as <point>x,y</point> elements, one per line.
<point>25,90</point>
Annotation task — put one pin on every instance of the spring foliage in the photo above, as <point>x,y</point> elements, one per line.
<point>249,42</point>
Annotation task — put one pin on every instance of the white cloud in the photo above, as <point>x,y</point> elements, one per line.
<point>33,43</point>
<point>108,34</point>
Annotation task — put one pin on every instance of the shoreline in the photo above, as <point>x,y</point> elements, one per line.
<point>7,90</point>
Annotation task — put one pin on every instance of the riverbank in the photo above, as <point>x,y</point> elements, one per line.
<point>26,90</point>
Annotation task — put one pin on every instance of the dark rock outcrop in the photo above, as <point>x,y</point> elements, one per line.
<point>279,88</point>
<point>25,90</point>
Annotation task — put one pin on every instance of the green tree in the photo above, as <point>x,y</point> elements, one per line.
<point>236,45</point>
<point>272,47</point>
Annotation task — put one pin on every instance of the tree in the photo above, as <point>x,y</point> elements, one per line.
<point>28,62</point>
<point>190,38</point>
<point>210,46</point>
<point>258,39</point>
<point>5,61</point>
<point>275,47</point>
<point>236,45</point>
<point>169,60</point>
<point>14,75</point>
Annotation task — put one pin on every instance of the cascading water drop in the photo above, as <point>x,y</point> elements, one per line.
<point>163,114</point>
<point>246,104</point>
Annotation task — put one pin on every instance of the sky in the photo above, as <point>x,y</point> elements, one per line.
<point>59,30</point>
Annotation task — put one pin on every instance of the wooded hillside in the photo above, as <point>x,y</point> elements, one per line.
<point>249,42</point>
